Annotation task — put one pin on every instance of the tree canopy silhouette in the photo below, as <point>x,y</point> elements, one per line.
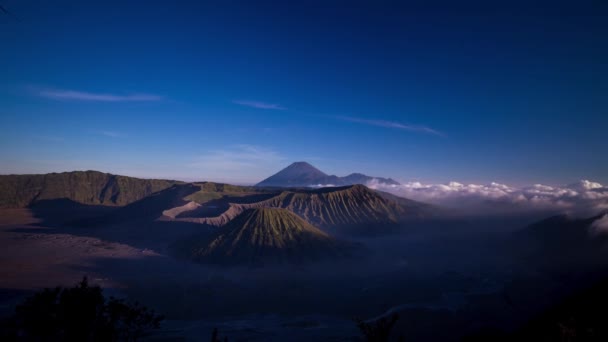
<point>379,330</point>
<point>80,313</point>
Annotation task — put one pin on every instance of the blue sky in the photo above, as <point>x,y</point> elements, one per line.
<point>234,92</point>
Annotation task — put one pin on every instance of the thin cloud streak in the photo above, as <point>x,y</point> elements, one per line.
<point>49,138</point>
<point>243,163</point>
<point>392,124</point>
<point>259,105</point>
<point>61,94</point>
<point>112,134</point>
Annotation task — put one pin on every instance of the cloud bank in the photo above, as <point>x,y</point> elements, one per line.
<point>59,94</point>
<point>581,197</point>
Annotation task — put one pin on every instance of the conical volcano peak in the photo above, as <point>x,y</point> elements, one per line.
<point>296,174</point>
<point>303,167</point>
<point>301,164</point>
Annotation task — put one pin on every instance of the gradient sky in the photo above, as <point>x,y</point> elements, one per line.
<point>234,92</point>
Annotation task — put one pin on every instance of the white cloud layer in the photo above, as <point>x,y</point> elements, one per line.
<point>583,196</point>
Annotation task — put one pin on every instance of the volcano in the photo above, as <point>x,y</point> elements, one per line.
<point>265,235</point>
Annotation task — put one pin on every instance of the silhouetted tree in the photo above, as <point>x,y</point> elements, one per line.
<point>80,313</point>
<point>378,330</point>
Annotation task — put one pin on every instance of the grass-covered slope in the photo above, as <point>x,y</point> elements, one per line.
<point>86,187</point>
<point>263,235</point>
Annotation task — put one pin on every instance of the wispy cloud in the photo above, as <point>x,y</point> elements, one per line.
<point>49,138</point>
<point>243,163</point>
<point>112,134</point>
<point>392,124</point>
<point>259,105</point>
<point>238,158</point>
<point>74,95</point>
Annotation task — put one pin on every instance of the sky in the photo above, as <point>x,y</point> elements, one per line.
<point>233,91</point>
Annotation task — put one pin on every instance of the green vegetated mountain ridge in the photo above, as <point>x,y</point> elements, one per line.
<point>85,187</point>
<point>302,174</point>
<point>264,235</point>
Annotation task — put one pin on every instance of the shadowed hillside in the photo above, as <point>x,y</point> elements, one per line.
<point>264,235</point>
<point>153,206</point>
<point>417,208</point>
<point>85,187</point>
<point>562,243</point>
<point>577,315</point>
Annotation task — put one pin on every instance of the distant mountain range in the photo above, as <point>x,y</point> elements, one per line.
<point>250,225</point>
<point>302,174</point>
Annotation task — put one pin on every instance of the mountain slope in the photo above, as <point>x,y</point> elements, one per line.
<point>351,206</point>
<point>302,174</point>
<point>264,235</point>
<point>154,206</point>
<point>359,178</point>
<point>85,187</point>
<point>416,208</point>
<point>354,209</point>
<point>559,232</point>
<point>563,242</point>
